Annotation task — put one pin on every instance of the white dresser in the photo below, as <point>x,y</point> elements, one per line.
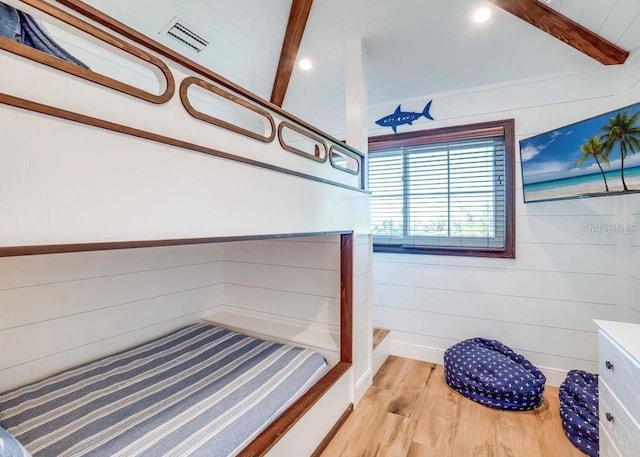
<point>619,389</point>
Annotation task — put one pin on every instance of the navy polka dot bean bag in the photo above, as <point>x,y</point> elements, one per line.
<point>579,410</point>
<point>488,372</point>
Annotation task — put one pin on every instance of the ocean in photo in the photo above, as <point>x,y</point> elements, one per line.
<point>577,186</point>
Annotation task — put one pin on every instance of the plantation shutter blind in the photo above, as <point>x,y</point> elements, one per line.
<point>447,192</point>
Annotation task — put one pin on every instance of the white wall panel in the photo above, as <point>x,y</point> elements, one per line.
<point>551,285</point>
<point>296,278</point>
<point>155,192</point>
<point>44,269</point>
<point>51,301</point>
<point>63,309</point>
<point>286,304</point>
<point>76,330</point>
<point>297,281</point>
<point>633,284</point>
<point>499,308</point>
<point>310,281</point>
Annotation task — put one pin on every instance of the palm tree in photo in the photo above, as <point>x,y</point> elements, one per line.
<point>594,149</point>
<point>622,130</point>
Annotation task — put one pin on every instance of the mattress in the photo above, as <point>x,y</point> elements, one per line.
<point>199,391</point>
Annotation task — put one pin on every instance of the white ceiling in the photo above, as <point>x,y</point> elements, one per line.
<point>414,47</point>
<point>615,20</point>
<point>245,36</point>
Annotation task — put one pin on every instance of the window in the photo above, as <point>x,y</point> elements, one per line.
<point>444,191</point>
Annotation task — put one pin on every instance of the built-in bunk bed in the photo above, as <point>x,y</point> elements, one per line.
<point>95,160</point>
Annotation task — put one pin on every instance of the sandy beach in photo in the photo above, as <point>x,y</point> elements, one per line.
<point>570,189</point>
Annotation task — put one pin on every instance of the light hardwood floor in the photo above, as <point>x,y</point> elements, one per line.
<point>411,412</point>
<point>379,334</point>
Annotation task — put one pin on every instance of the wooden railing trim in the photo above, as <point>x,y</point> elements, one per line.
<point>184,97</point>
<point>13,251</point>
<point>346,298</point>
<point>36,107</point>
<point>101,18</point>
<point>70,68</point>
<point>347,153</point>
<point>303,132</point>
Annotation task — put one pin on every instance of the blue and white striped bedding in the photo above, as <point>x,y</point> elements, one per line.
<point>199,391</point>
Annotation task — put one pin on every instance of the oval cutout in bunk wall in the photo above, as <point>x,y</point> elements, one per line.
<point>217,106</point>
<point>344,160</point>
<point>302,142</point>
<point>66,43</point>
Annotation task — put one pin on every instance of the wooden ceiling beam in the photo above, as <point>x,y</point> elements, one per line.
<point>561,27</point>
<point>292,38</point>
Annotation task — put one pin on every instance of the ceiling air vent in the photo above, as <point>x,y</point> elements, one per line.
<point>179,31</point>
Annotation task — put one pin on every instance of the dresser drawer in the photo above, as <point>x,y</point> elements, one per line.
<point>615,420</point>
<point>607,448</point>
<point>621,374</point>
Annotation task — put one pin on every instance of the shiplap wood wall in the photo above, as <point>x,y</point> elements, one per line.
<point>59,310</point>
<point>633,266</point>
<point>564,275</point>
<point>633,289</point>
<point>297,280</point>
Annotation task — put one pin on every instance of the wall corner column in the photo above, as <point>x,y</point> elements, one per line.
<point>356,94</point>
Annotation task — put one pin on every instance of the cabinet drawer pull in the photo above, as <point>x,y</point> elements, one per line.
<point>609,417</point>
<point>609,365</point>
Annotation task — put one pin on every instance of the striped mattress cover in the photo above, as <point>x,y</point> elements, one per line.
<point>199,391</point>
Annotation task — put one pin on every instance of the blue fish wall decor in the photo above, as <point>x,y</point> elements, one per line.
<point>399,117</point>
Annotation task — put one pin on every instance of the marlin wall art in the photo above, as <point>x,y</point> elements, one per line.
<point>399,117</point>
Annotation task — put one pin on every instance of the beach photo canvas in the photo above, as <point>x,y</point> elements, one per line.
<point>595,157</point>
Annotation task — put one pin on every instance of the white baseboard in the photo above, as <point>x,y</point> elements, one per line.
<point>429,354</point>
<point>417,352</point>
<point>555,377</point>
<point>362,386</point>
<point>379,355</point>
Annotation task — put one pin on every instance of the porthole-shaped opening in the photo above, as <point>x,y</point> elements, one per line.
<point>217,106</point>
<point>302,142</point>
<point>344,160</point>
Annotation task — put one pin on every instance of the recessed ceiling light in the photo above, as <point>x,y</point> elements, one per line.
<point>305,64</point>
<point>481,15</point>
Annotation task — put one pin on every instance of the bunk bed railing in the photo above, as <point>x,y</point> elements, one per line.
<point>332,162</point>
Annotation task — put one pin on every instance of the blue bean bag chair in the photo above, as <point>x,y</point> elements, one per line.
<point>488,372</point>
<point>579,410</point>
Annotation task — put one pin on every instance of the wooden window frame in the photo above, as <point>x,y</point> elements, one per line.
<point>504,128</point>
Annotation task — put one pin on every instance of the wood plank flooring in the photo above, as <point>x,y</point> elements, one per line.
<point>411,412</point>
<point>379,334</point>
